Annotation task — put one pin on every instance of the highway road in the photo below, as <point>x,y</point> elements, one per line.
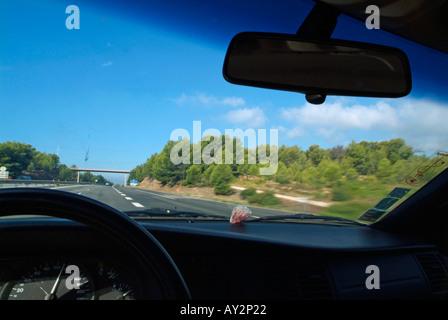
<point>127,199</point>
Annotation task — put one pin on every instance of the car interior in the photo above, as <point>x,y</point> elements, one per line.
<point>399,256</point>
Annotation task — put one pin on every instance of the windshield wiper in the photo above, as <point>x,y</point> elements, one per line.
<point>169,213</point>
<point>306,217</point>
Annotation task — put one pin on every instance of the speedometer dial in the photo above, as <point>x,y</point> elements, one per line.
<point>50,280</point>
<point>114,283</point>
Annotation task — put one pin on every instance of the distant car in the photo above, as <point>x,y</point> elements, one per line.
<point>24,178</point>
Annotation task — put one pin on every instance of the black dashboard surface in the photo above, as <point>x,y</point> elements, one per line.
<point>259,260</point>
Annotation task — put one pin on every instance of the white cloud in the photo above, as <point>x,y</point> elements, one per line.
<point>202,99</point>
<point>107,64</point>
<point>423,124</point>
<point>233,101</point>
<point>295,132</point>
<point>181,100</point>
<point>420,122</point>
<point>280,128</point>
<point>337,116</point>
<point>249,117</point>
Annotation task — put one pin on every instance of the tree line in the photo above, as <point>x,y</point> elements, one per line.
<point>23,159</point>
<point>316,167</point>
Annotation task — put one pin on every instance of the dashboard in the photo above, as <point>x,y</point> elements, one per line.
<point>49,259</point>
<point>256,261</point>
<point>68,278</point>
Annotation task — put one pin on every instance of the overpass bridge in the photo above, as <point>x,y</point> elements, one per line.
<point>126,172</point>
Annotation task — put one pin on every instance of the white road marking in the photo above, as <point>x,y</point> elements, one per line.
<point>138,205</point>
<point>71,186</point>
<point>167,196</point>
<point>128,198</point>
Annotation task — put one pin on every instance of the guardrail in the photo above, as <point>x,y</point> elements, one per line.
<point>35,183</point>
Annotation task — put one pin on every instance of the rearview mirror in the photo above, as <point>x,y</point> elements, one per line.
<point>331,67</point>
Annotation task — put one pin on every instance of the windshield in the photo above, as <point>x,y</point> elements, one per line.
<point>129,106</point>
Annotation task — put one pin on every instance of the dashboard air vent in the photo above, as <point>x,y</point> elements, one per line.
<point>435,272</point>
<point>304,279</point>
<point>313,281</point>
<point>279,282</point>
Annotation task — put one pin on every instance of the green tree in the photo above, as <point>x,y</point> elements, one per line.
<point>253,170</point>
<point>295,167</point>
<point>316,154</point>
<point>290,155</point>
<point>346,164</point>
<point>220,179</point>
<point>266,198</point>
<point>65,174</point>
<point>147,169</point>
<point>16,157</point>
<point>164,170</point>
<point>397,149</point>
<point>283,175</point>
<point>247,193</point>
<point>298,176</point>
<point>337,153</point>
<point>193,175</point>
<point>332,173</point>
<point>385,170</point>
<point>341,192</point>
<point>87,177</point>
<point>351,174</point>
<point>136,174</point>
<point>42,161</point>
<point>312,176</point>
<point>329,171</point>
<point>358,156</point>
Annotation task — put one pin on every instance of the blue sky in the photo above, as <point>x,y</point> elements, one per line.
<point>114,90</point>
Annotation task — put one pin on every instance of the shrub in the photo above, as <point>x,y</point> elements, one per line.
<point>250,192</point>
<point>223,189</point>
<point>266,198</point>
<point>193,175</point>
<point>220,179</point>
<point>341,193</point>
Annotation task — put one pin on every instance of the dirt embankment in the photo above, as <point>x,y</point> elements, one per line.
<point>200,192</point>
<point>289,203</point>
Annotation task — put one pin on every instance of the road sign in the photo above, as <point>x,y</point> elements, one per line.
<point>3,173</point>
<point>133,182</point>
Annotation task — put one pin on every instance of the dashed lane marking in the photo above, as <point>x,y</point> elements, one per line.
<point>138,205</point>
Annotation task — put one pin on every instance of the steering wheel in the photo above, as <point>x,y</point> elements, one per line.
<point>136,239</point>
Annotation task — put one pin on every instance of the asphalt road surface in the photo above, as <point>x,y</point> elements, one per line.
<point>131,199</point>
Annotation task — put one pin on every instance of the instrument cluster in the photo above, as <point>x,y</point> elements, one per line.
<point>68,279</point>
